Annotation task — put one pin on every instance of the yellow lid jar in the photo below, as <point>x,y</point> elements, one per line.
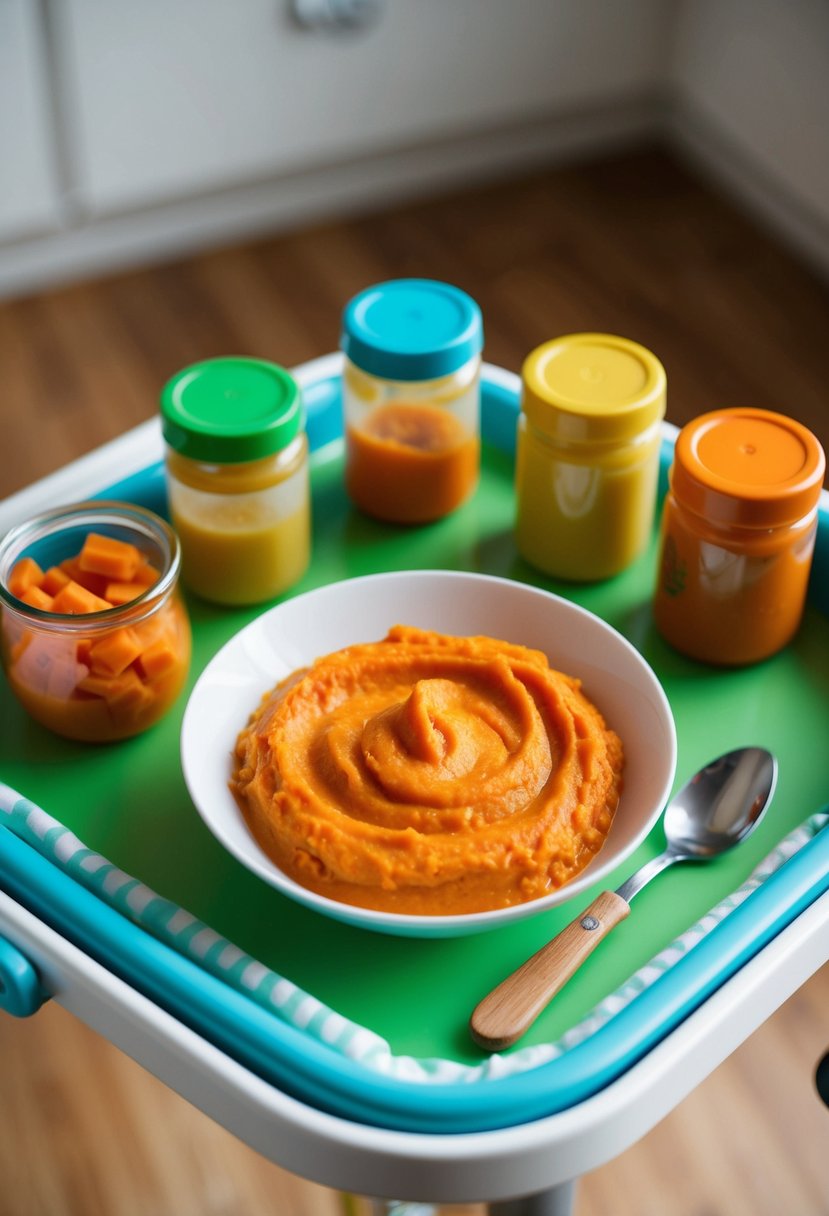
<point>587,460</point>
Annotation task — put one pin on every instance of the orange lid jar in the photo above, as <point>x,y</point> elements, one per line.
<point>738,533</point>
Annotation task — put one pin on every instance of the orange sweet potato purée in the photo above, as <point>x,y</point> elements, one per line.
<point>410,463</point>
<point>429,774</point>
<point>103,682</point>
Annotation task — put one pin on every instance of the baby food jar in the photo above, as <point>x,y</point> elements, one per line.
<point>411,399</point>
<point>738,532</point>
<point>94,637</point>
<point>587,462</point>
<point>237,478</point>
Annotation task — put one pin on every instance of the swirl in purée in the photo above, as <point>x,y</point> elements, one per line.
<point>429,774</point>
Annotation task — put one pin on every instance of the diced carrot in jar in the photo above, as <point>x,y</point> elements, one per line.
<point>151,630</point>
<point>114,679</point>
<point>96,583</point>
<point>116,559</point>
<point>114,653</point>
<point>157,660</point>
<point>129,697</point>
<point>75,600</point>
<point>25,574</point>
<point>122,593</point>
<point>99,686</point>
<point>36,597</point>
<point>54,580</point>
<point>146,575</point>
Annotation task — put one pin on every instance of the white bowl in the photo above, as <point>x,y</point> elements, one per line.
<point>615,677</point>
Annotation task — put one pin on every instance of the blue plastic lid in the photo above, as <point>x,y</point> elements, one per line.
<point>411,329</point>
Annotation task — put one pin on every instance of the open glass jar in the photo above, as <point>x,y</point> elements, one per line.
<point>94,637</point>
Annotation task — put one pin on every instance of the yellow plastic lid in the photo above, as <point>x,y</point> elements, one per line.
<point>752,468</point>
<point>593,387</point>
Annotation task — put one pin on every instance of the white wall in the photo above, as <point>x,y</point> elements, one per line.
<point>136,130</point>
<point>750,83</point>
<point>29,200</point>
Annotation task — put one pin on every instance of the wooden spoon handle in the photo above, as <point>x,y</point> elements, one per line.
<point>510,1009</point>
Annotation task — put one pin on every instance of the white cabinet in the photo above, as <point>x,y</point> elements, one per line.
<point>172,97</point>
<point>29,201</point>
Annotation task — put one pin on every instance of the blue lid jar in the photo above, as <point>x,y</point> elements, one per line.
<point>411,329</point>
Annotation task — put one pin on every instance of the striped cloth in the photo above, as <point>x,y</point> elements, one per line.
<point>192,938</point>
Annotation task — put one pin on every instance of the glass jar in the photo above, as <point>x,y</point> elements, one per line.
<point>237,478</point>
<point>411,399</point>
<point>95,649</point>
<point>587,461</point>
<point>738,533</point>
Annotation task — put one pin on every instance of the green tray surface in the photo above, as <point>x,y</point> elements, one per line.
<point>129,802</point>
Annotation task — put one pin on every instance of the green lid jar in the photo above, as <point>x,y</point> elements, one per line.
<point>237,478</point>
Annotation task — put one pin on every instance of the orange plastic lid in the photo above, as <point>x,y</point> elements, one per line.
<point>753,468</point>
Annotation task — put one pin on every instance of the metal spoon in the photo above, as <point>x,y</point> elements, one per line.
<point>715,810</point>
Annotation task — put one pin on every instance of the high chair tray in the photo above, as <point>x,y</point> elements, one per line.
<point>128,802</point>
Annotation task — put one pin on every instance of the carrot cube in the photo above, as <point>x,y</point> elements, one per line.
<point>116,559</point>
<point>96,583</point>
<point>122,593</point>
<point>54,580</point>
<point>75,600</point>
<point>114,653</point>
<point>158,660</point>
<point>99,686</point>
<point>146,575</point>
<point>25,574</point>
<point>128,697</point>
<point>36,597</point>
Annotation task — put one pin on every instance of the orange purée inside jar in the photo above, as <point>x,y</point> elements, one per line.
<point>410,463</point>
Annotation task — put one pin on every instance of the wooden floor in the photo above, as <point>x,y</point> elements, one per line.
<point>635,246</point>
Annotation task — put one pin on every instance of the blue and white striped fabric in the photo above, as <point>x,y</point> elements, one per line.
<point>192,938</point>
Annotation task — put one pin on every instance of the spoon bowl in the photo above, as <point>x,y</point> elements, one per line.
<point>721,804</point>
<point>714,811</point>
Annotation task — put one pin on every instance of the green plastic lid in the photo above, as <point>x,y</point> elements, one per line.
<point>230,410</point>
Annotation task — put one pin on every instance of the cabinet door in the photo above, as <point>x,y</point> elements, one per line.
<point>28,195</point>
<point>177,96</point>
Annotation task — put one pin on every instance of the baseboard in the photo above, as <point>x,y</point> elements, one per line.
<point>732,167</point>
<point>83,248</point>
